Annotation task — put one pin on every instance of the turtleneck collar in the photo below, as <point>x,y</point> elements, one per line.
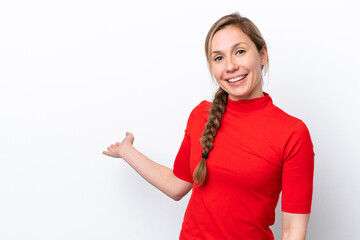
<point>249,105</point>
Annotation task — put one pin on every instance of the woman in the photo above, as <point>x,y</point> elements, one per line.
<point>239,152</point>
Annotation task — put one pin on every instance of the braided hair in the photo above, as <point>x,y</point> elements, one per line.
<point>216,112</point>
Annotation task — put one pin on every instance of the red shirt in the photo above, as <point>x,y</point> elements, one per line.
<point>259,151</point>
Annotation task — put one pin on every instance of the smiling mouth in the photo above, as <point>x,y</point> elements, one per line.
<point>236,79</point>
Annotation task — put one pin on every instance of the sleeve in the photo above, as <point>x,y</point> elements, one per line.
<point>298,171</point>
<point>181,167</point>
<point>182,161</point>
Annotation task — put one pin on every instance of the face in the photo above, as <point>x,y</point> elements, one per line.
<point>236,63</point>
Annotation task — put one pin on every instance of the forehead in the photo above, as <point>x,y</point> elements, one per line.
<point>228,36</point>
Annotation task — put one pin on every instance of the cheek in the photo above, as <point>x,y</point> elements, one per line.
<point>253,64</point>
<point>216,69</point>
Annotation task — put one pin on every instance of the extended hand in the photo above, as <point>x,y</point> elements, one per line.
<point>117,150</point>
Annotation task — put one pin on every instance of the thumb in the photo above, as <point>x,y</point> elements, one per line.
<point>129,138</point>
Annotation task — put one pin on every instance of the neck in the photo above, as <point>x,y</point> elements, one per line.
<point>249,105</point>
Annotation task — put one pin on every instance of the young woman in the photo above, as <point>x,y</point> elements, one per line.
<point>239,152</point>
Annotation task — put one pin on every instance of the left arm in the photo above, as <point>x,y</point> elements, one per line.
<point>294,226</point>
<point>297,183</point>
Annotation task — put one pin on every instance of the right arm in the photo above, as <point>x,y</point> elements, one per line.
<point>156,174</point>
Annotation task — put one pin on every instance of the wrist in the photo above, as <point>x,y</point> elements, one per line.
<point>126,151</point>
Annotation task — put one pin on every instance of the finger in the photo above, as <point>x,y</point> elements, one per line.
<point>106,153</point>
<point>117,144</point>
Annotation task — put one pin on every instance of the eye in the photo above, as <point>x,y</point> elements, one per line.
<point>218,58</point>
<point>240,52</point>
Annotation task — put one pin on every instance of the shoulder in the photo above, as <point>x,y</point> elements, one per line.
<point>295,131</point>
<point>285,120</point>
<point>201,111</point>
<point>293,136</point>
<point>286,125</point>
<point>202,108</point>
<point>199,115</point>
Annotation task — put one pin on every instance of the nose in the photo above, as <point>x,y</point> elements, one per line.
<point>231,65</point>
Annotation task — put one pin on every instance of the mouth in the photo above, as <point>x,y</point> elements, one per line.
<point>236,79</point>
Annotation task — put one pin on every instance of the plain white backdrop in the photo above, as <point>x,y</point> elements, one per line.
<point>76,75</point>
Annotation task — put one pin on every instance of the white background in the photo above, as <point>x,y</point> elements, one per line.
<point>76,75</point>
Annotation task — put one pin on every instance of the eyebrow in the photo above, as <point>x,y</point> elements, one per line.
<point>232,47</point>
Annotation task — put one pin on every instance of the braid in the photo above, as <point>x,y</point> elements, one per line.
<point>216,112</point>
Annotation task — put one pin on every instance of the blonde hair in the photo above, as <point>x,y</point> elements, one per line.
<point>218,106</point>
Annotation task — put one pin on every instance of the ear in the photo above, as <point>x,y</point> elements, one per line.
<point>263,55</point>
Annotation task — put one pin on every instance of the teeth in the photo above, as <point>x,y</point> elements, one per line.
<point>236,79</point>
